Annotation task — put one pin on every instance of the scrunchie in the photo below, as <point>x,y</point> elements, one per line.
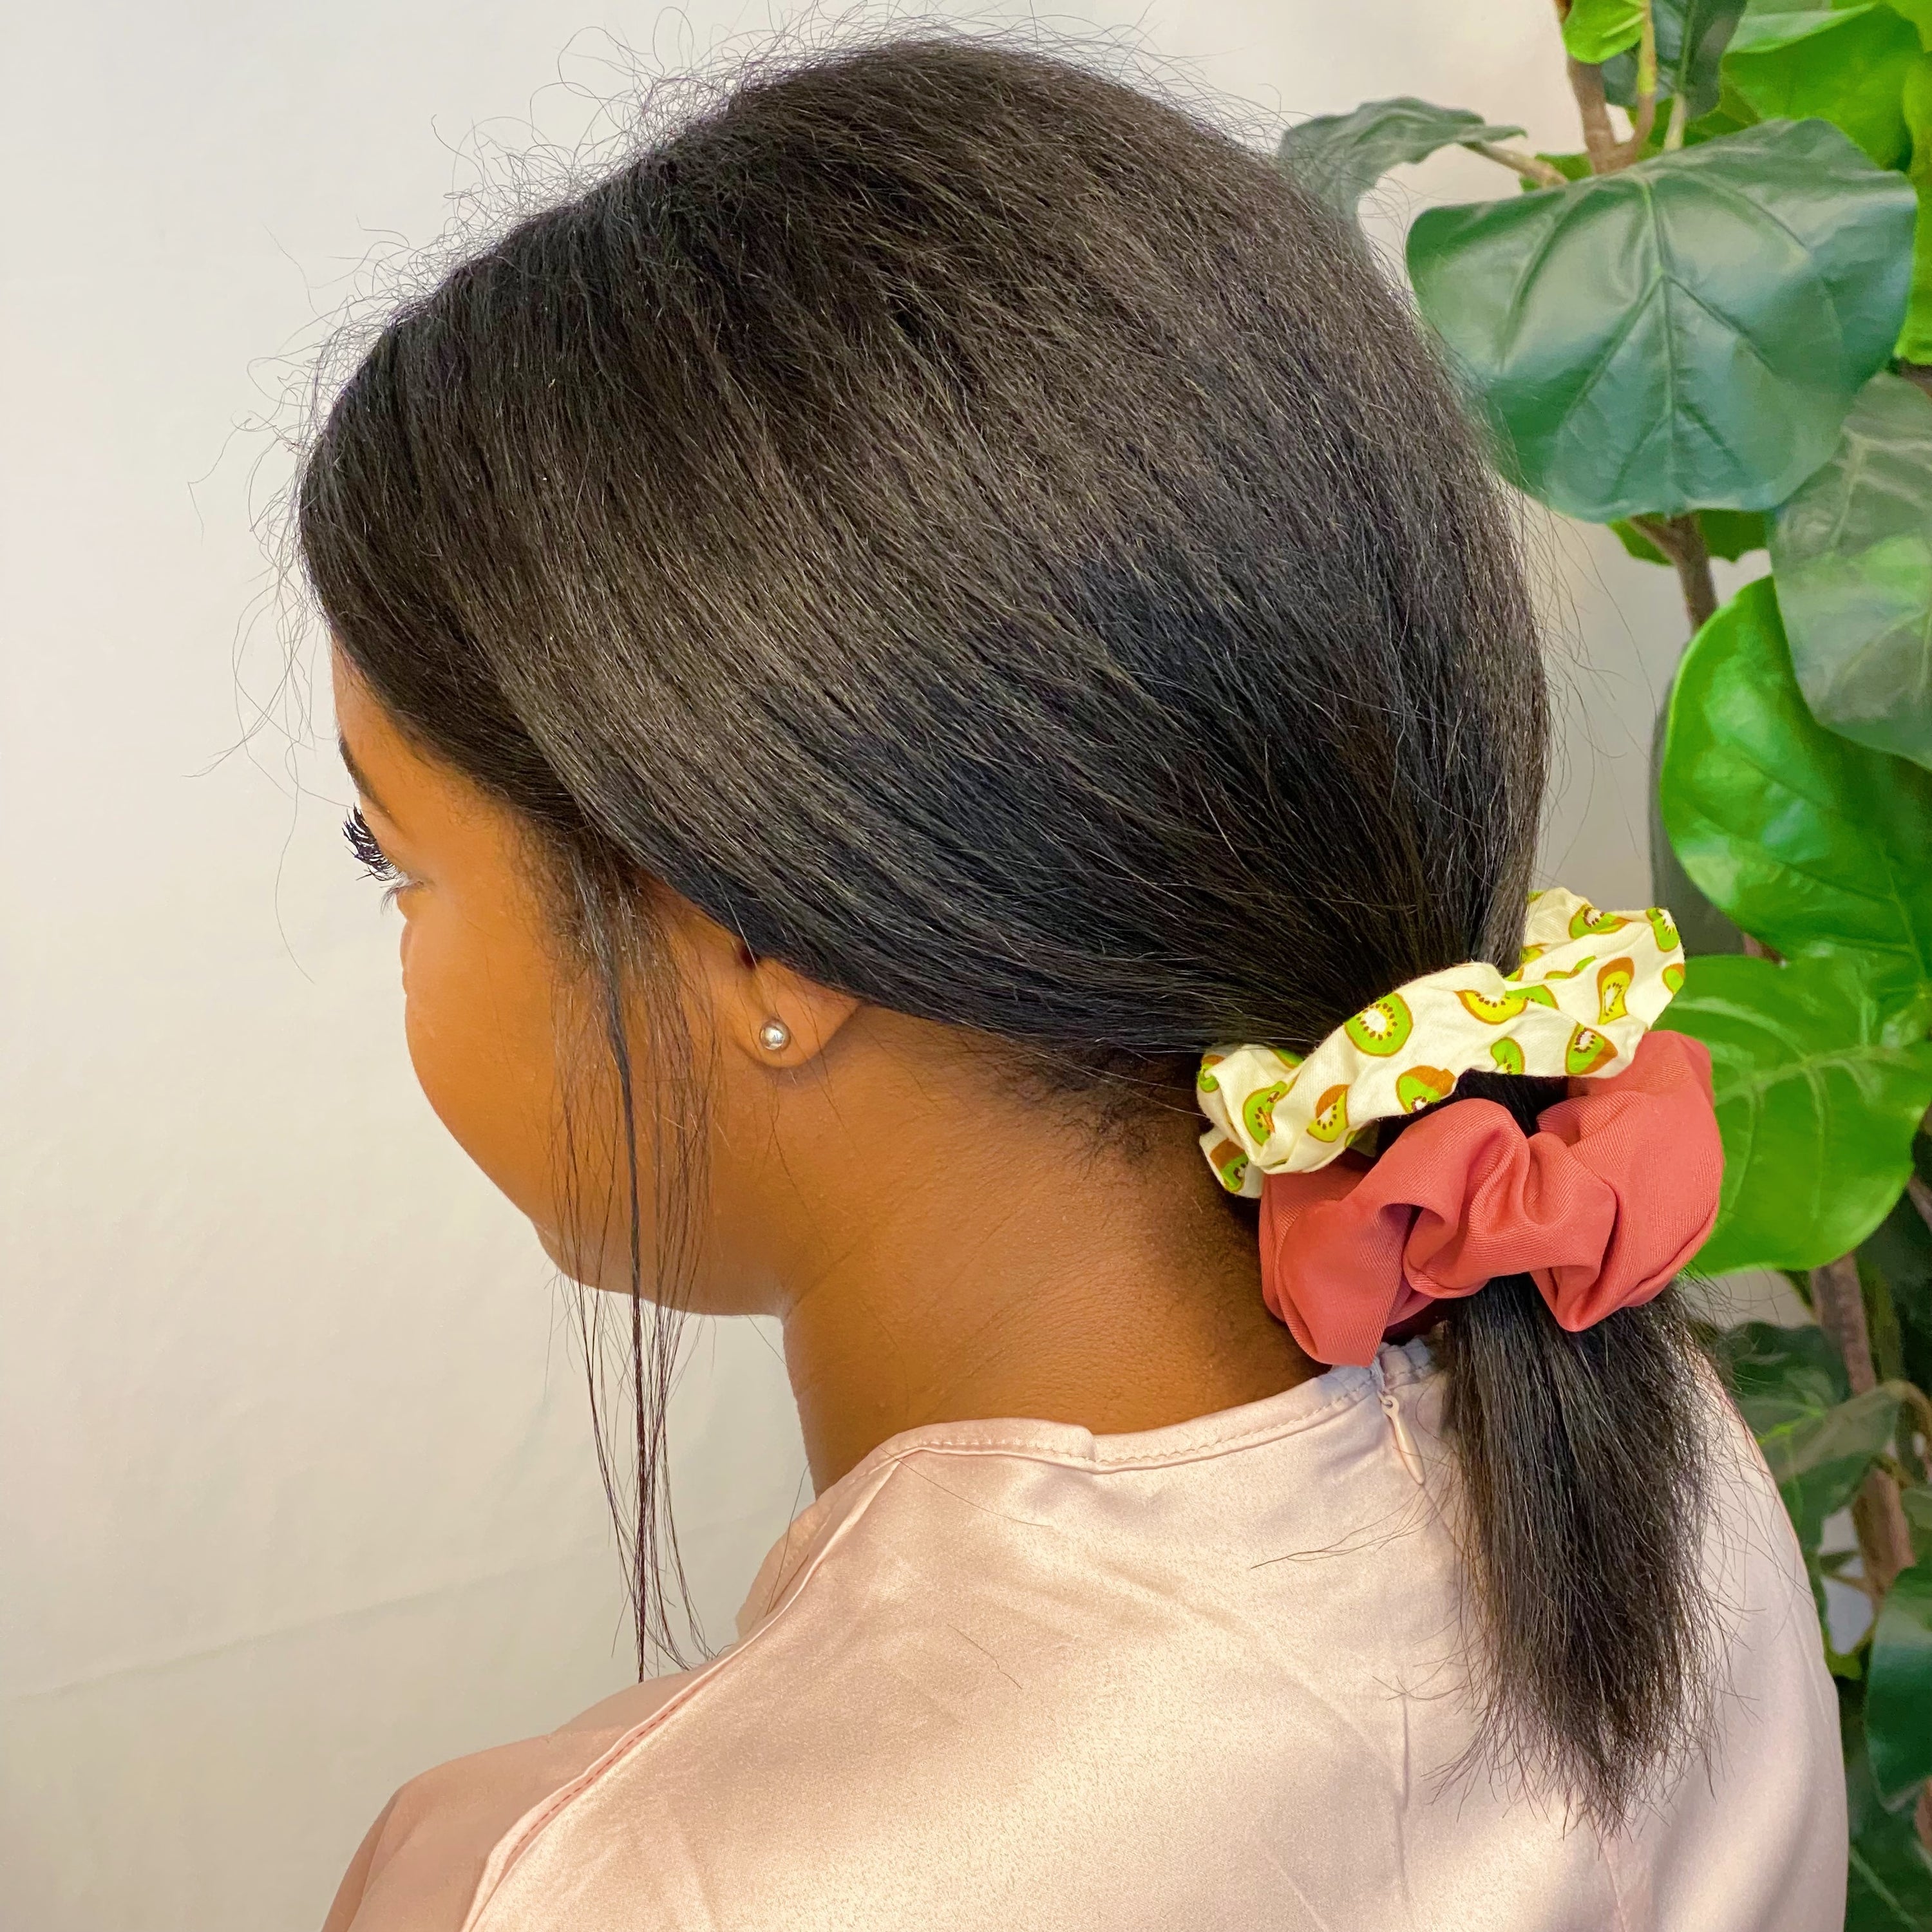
<point>1602,1206</point>
<point>1590,985</point>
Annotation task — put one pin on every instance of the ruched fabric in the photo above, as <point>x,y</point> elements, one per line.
<point>1603,1205</point>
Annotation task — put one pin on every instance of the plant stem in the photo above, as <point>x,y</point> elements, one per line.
<point>1531,167</point>
<point>1682,539</point>
<point>1645,119</point>
<point>1607,154</point>
<point>1673,131</point>
<point>1920,373</point>
<point>1884,1538</point>
<point>1839,1304</point>
<point>1600,138</point>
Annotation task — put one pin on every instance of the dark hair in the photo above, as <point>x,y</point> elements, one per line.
<point>985,536</point>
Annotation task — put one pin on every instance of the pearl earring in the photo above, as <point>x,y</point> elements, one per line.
<point>775,1035</point>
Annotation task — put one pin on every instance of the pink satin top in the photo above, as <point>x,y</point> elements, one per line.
<point>1014,1677</point>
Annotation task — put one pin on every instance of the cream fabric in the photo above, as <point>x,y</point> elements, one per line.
<point>1590,984</point>
<point>1013,1677</point>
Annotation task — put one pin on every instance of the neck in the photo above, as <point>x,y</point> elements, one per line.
<point>993,1275</point>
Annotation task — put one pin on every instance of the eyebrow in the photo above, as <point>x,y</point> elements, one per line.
<point>360,779</point>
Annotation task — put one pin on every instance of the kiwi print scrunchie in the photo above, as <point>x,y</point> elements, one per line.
<point>1590,985</point>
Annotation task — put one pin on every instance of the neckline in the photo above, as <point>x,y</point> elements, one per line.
<point>1283,1413</point>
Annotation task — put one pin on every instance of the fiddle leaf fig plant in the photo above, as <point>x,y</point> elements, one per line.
<point>1340,157</point>
<point>1845,65</point>
<point>1687,332</point>
<point>1851,550</point>
<point>1593,30</point>
<point>1810,840</point>
<point>1710,328</point>
<point>1821,1081</point>
<point>1691,36</point>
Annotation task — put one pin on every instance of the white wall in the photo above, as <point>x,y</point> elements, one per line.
<point>298,1491</point>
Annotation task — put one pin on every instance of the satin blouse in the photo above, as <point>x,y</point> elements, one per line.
<point>1010,1676</point>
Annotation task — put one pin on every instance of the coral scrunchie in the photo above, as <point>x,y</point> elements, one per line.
<point>1615,1192</point>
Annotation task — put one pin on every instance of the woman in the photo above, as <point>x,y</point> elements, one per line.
<point>925,633</point>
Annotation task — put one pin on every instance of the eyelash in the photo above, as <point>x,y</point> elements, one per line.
<point>369,855</point>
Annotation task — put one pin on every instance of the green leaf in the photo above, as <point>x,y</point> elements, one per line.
<point>1804,839</point>
<point>1732,113</point>
<point>1891,1887</point>
<point>1691,35</point>
<point>1819,1082</point>
<point>1898,1687</point>
<point>1915,337</point>
<point>1917,1502</point>
<point>1919,13</point>
<point>1729,534</point>
<point>1888,1350</point>
<point>1852,553</point>
<point>1687,332</point>
<point>1782,1378</point>
<point>1701,925</point>
<point>1339,157</point>
<point>1899,1251</point>
<point>1819,1461</point>
<point>1639,545</point>
<point>1781,1375</point>
<point>1593,30</point>
<point>1844,64</point>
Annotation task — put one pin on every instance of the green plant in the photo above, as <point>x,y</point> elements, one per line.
<point>1710,329</point>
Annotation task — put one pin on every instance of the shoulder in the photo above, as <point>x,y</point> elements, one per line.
<point>418,1868</point>
<point>1018,1677</point>
<point>1127,1678</point>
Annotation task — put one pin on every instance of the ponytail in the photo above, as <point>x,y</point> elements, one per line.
<point>1584,1466</point>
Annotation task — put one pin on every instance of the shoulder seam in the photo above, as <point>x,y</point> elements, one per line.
<point>532,1826</point>
<point>535,1823</point>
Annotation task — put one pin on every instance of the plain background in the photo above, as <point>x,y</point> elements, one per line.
<point>299,1492</point>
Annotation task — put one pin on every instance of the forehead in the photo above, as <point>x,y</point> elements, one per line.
<point>407,785</point>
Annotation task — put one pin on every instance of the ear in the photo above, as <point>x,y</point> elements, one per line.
<point>810,1014</point>
<point>747,995</point>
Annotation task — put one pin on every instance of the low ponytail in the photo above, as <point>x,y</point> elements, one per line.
<point>986,538</point>
<point>1584,1461</point>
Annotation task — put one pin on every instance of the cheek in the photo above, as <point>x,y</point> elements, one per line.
<point>477,1005</point>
